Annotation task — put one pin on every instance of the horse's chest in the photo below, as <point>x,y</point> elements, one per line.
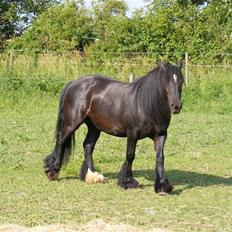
<point>151,129</point>
<point>146,131</point>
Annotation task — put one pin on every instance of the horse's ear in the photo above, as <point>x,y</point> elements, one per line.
<point>163,66</point>
<point>180,64</point>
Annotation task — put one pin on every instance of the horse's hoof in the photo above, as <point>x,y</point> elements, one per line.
<point>94,177</point>
<point>51,169</point>
<point>51,174</point>
<point>169,189</point>
<point>162,193</point>
<point>130,184</point>
<point>163,189</point>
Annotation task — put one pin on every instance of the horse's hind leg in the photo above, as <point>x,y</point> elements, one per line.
<point>53,162</point>
<point>63,147</point>
<point>88,173</point>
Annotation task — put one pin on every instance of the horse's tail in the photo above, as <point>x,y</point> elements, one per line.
<point>68,143</point>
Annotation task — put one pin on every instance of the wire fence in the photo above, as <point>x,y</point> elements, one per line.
<point>122,65</point>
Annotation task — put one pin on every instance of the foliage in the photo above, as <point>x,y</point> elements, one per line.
<point>60,28</point>
<point>165,30</point>
<point>7,16</point>
<point>17,15</point>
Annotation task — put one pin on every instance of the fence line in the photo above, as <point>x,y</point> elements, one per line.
<point>84,55</point>
<point>11,59</point>
<point>108,52</point>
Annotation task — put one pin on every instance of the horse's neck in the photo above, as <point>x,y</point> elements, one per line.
<point>155,102</point>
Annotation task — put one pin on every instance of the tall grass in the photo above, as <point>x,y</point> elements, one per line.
<point>69,65</point>
<point>210,90</point>
<point>49,72</point>
<point>210,87</point>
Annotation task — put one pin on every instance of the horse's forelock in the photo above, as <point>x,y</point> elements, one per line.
<point>168,70</point>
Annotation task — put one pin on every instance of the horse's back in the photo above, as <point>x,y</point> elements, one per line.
<point>101,99</point>
<point>93,83</point>
<point>97,93</point>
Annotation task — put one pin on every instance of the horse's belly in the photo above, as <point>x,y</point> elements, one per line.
<point>107,124</point>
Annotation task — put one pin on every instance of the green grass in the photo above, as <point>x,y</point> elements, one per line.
<point>198,162</point>
<point>198,157</point>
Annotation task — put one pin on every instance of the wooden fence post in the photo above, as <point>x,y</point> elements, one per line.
<point>11,59</point>
<point>131,77</point>
<point>186,70</point>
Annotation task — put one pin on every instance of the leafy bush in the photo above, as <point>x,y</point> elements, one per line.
<point>165,30</point>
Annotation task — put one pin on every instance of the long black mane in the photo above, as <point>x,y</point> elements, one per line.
<point>150,91</point>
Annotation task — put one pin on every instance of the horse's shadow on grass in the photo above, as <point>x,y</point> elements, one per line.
<point>187,179</point>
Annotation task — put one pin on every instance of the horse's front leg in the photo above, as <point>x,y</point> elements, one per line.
<point>162,184</point>
<point>126,179</point>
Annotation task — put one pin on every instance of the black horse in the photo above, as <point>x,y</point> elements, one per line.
<point>134,110</point>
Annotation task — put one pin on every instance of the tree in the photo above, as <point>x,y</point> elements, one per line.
<point>198,27</point>
<point>17,15</point>
<point>60,28</point>
<point>104,11</point>
<point>166,29</point>
<point>7,18</point>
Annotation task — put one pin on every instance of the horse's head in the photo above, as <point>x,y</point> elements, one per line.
<point>173,85</point>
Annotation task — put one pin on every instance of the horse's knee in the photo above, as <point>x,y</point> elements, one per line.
<point>130,157</point>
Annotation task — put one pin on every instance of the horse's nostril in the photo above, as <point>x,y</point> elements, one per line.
<point>176,108</point>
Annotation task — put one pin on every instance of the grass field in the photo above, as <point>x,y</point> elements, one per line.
<point>198,163</point>
<point>198,158</point>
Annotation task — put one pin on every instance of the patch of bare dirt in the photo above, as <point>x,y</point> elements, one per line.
<point>95,225</point>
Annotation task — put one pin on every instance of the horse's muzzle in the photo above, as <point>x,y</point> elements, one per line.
<point>176,108</point>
